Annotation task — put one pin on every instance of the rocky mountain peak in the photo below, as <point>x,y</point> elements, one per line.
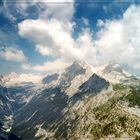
<point>71,72</point>
<point>76,66</point>
<point>112,66</point>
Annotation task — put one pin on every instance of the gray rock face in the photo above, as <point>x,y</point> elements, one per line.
<point>113,66</point>
<point>95,84</point>
<point>91,87</point>
<point>71,72</point>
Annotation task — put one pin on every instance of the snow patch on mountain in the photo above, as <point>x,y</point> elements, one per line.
<point>26,120</point>
<point>7,126</point>
<point>42,133</point>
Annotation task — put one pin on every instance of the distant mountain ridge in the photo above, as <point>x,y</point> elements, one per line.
<point>76,68</point>
<point>66,105</point>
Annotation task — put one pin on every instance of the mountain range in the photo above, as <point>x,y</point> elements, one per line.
<point>81,102</point>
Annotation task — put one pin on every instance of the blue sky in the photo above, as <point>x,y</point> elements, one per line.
<point>45,36</point>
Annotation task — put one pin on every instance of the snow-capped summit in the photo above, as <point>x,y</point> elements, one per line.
<point>79,67</point>
<point>75,75</point>
<point>12,75</point>
<point>70,73</point>
<point>75,69</point>
<point>113,66</point>
<point>70,78</point>
<point>113,72</point>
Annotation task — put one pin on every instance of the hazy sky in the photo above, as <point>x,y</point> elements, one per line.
<point>45,35</point>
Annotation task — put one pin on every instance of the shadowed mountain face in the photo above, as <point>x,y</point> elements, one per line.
<point>45,109</point>
<point>7,107</point>
<point>92,86</point>
<point>11,99</point>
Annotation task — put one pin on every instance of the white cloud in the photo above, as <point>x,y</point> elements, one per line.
<point>51,66</point>
<point>54,38</point>
<point>86,47</point>
<point>117,39</point>
<point>100,23</point>
<point>51,36</point>
<point>12,54</point>
<point>51,31</point>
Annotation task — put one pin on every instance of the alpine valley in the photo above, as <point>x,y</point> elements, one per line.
<point>81,102</point>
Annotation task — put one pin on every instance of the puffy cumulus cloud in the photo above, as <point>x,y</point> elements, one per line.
<point>51,36</point>
<point>86,47</point>
<point>119,39</point>
<point>12,54</point>
<point>109,40</point>
<point>51,31</point>
<point>54,38</point>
